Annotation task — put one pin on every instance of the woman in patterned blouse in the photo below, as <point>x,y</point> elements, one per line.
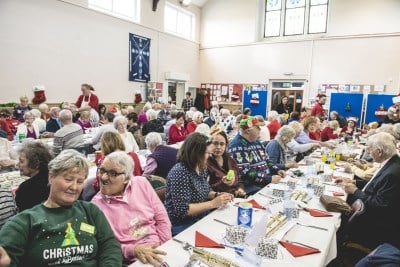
<point>189,196</point>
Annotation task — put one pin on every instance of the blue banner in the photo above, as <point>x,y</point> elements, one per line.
<point>139,58</point>
<point>255,98</point>
<point>347,105</point>
<point>377,106</point>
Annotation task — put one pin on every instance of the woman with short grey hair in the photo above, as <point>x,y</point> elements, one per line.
<point>120,123</point>
<point>62,222</point>
<point>297,151</point>
<point>277,149</point>
<point>153,140</point>
<point>132,207</point>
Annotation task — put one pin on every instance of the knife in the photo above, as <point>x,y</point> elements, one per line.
<point>313,226</point>
<point>225,223</point>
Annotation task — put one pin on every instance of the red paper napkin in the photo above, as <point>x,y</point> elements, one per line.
<point>317,213</point>
<point>205,242</point>
<point>298,250</point>
<point>337,194</point>
<point>253,203</point>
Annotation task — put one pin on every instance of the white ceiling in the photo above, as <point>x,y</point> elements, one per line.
<point>199,3</point>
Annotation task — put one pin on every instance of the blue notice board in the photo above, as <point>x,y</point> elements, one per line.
<point>347,105</point>
<point>255,98</point>
<point>376,103</point>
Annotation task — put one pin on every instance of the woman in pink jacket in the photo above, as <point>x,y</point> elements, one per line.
<point>133,209</point>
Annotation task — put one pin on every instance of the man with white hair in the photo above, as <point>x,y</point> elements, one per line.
<point>226,120</point>
<point>69,136</point>
<point>381,196</point>
<point>161,159</point>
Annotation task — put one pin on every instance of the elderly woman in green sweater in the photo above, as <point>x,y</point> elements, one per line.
<point>63,230</point>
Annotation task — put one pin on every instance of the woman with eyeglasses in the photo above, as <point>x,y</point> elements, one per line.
<point>63,230</point>
<point>135,212</point>
<point>189,196</point>
<point>220,163</point>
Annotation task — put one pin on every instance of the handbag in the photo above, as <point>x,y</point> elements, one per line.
<point>335,204</point>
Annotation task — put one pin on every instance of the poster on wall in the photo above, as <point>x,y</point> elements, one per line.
<point>139,58</point>
<point>255,98</point>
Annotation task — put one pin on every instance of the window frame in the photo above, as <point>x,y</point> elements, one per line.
<point>111,12</point>
<point>306,24</point>
<point>180,10</point>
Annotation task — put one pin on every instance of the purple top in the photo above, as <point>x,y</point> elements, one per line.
<point>30,134</point>
<point>142,118</point>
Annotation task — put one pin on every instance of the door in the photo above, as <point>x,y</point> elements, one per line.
<point>172,92</point>
<point>292,89</point>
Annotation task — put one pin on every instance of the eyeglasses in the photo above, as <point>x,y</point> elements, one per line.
<point>110,173</point>
<point>216,143</point>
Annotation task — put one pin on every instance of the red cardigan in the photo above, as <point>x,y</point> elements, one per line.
<point>191,127</point>
<point>175,135</point>
<point>273,128</point>
<point>327,134</point>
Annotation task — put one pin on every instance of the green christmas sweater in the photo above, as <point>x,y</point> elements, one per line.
<point>70,236</point>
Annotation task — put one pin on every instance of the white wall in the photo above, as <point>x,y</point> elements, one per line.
<point>62,45</point>
<point>362,46</point>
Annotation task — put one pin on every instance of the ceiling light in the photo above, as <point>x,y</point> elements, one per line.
<point>185,2</point>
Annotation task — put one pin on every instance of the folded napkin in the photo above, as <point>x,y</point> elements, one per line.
<point>206,242</point>
<point>318,213</point>
<point>337,194</point>
<point>298,250</point>
<point>253,203</point>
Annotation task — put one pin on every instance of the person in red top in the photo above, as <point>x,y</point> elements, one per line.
<point>12,124</point>
<point>88,101</point>
<point>197,120</point>
<point>318,109</point>
<point>350,128</point>
<point>328,132</point>
<point>274,124</point>
<point>177,132</point>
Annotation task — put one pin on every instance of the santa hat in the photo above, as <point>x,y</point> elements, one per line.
<point>38,88</point>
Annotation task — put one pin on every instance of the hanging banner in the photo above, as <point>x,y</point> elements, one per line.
<point>139,58</point>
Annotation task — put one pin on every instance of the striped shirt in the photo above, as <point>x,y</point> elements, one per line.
<point>7,205</point>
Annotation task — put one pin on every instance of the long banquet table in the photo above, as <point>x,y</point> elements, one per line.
<point>324,240</point>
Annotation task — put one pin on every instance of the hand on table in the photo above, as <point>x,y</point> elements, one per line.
<point>149,254</point>
<point>222,200</point>
<point>4,258</point>
<point>340,180</point>
<point>7,162</point>
<point>349,188</point>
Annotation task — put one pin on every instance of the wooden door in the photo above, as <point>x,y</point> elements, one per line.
<point>295,98</point>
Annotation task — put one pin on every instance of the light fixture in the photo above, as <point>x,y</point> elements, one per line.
<point>185,2</point>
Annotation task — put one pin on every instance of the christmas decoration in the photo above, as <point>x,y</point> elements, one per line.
<point>348,107</point>
<point>255,100</point>
<point>138,98</point>
<point>381,112</point>
<point>70,238</point>
<point>40,96</point>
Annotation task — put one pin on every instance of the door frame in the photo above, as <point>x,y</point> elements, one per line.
<point>270,88</point>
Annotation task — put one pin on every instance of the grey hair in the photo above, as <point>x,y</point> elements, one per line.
<point>120,119</point>
<point>151,114</point>
<point>197,114</point>
<point>334,124</point>
<point>65,115</point>
<point>384,142</point>
<point>28,113</point>
<point>121,158</point>
<point>297,127</point>
<point>273,115</point>
<point>225,111</point>
<point>153,139</point>
<point>203,129</point>
<point>285,132</point>
<point>68,160</point>
<point>53,111</point>
<point>36,113</point>
<point>189,114</point>
<point>396,130</point>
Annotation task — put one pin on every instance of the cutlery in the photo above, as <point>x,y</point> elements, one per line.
<point>225,223</point>
<point>313,226</point>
